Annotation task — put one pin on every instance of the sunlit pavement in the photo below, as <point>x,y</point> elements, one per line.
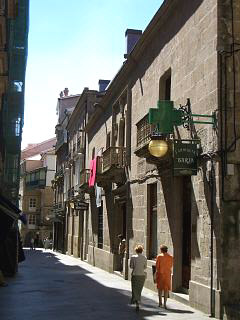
<point>53,286</point>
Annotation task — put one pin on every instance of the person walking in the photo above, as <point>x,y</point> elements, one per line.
<point>46,243</point>
<point>138,264</point>
<point>32,244</point>
<point>35,243</point>
<point>121,250</point>
<point>164,265</point>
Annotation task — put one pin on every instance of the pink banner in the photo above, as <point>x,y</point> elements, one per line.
<point>93,170</point>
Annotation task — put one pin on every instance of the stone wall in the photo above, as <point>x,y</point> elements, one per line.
<point>187,50</point>
<point>229,75</point>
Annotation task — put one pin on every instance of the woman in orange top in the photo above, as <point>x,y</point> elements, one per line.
<point>164,265</point>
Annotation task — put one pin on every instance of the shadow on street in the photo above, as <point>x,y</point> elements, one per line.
<point>48,288</point>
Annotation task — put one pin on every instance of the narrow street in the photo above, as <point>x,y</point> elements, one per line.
<point>54,286</point>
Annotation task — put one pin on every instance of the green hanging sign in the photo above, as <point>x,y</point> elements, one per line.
<point>185,157</point>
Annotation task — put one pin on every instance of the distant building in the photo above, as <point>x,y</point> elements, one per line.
<point>65,106</point>
<point>36,194</point>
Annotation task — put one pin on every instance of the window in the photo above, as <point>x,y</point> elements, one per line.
<point>93,153</point>
<point>32,204</point>
<point>121,137</point>
<point>152,221</point>
<point>100,227</point>
<point>32,219</point>
<point>108,140</point>
<point>165,86</point>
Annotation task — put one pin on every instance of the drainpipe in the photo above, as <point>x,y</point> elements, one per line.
<point>128,168</point>
<point>211,185</point>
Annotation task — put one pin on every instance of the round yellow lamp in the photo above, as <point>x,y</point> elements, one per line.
<point>158,148</point>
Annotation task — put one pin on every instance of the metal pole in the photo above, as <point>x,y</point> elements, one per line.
<point>212,307</point>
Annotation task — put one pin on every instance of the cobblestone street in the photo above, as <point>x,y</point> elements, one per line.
<point>54,286</point>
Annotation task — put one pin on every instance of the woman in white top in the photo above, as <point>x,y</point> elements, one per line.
<point>138,264</point>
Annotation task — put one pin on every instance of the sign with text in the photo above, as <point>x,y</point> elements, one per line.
<point>81,205</point>
<point>185,157</point>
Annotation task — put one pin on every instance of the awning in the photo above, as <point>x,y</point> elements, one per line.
<point>9,213</point>
<point>9,208</point>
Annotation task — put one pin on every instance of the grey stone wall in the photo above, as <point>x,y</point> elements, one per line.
<point>189,51</point>
<point>229,75</point>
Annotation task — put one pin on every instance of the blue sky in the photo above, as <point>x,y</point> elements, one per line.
<point>73,44</point>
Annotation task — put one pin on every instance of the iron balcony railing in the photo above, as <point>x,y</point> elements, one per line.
<point>71,193</point>
<point>144,131</point>
<point>112,157</point>
<point>36,178</point>
<point>59,174</point>
<point>80,148</point>
<point>84,177</point>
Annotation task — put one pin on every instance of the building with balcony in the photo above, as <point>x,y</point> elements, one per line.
<point>77,172</point>
<point>36,194</point>
<point>187,57</point>
<point>65,106</point>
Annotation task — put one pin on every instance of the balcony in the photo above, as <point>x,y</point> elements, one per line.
<point>59,178</point>
<point>58,207</point>
<point>80,148</point>
<point>36,179</point>
<point>84,177</point>
<point>58,210</point>
<point>71,193</point>
<point>144,132</point>
<point>111,166</point>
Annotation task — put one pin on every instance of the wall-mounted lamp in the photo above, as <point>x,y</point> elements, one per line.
<point>158,147</point>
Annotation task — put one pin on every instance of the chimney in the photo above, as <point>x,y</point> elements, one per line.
<point>132,36</point>
<point>102,85</point>
<point>66,91</point>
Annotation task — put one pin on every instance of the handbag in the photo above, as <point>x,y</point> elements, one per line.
<point>154,273</point>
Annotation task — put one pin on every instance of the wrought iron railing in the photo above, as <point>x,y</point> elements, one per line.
<point>80,148</point>
<point>71,193</point>
<point>113,156</point>
<point>144,131</point>
<point>36,178</point>
<point>84,177</point>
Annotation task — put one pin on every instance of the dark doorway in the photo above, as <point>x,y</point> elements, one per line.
<point>152,221</point>
<point>100,227</point>
<point>124,221</point>
<point>80,233</point>
<point>186,236</point>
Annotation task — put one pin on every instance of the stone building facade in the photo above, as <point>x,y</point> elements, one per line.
<point>37,197</point>
<point>77,173</point>
<point>60,184</point>
<point>188,54</point>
